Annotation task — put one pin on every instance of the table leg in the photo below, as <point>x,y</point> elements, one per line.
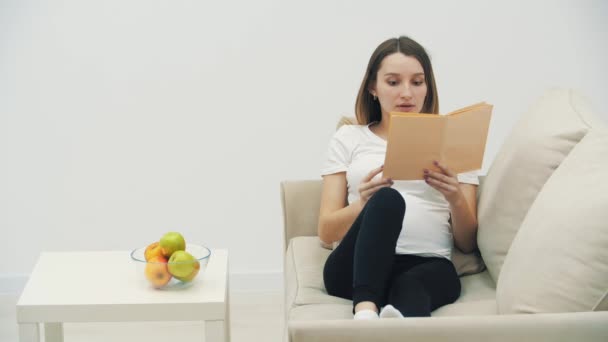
<point>215,331</point>
<point>227,317</point>
<point>53,332</point>
<point>28,332</point>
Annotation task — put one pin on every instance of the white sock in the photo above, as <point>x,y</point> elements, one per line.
<point>366,314</point>
<point>389,311</point>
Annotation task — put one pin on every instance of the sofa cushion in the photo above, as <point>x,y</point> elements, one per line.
<point>539,142</point>
<point>476,287</point>
<point>473,308</point>
<point>304,264</point>
<point>321,312</point>
<point>558,261</point>
<point>304,277</point>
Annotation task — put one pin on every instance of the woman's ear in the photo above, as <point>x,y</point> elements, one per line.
<point>372,88</point>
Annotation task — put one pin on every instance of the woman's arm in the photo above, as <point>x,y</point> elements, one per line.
<point>462,199</point>
<point>464,218</point>
<point>336,216</point>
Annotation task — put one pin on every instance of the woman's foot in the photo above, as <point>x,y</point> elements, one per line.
<point>366,314</point>
<point>389,311</point>
<point>366,310</point>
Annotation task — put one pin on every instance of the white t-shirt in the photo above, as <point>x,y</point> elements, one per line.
<point>426,231</point>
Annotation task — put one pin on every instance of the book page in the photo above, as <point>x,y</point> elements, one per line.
<point>414,141</point>
<point>467,108</point>
<point>465,138</point>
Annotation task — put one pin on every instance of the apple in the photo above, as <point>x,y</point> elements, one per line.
<point>191,276</point>
<point>183,266</point>
<point>172,242</point>
<point>157,272</point>
<point>153,250</point>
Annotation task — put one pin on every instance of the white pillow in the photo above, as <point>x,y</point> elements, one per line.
<point>535,148</point>
<point>558,262</point>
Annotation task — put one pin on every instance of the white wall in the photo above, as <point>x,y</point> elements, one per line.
<point>123,119</point>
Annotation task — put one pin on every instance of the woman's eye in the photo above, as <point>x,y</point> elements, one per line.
<point>392,82</point>
<point>418,83</point>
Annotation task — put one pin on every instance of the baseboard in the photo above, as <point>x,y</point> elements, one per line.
<point>239,282</point>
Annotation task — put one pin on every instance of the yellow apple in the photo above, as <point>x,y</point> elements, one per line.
<point>156,271</point>
<point>183,266</point>
<point>172,242</point>
<point>153,250</point>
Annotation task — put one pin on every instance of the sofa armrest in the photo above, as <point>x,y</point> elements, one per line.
<point>301,201</point>
<point>579,326</point>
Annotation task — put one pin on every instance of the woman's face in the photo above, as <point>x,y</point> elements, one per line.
<point>400,84</point>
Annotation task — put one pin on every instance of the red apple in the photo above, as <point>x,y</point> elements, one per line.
<point>157,272</point>
<point>153,250</point>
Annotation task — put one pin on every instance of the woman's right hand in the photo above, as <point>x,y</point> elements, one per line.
<point>369,186</point>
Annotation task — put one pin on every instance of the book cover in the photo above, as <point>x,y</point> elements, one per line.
<point>457,140</point>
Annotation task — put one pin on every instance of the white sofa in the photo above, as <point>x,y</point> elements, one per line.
<point>543,237</point>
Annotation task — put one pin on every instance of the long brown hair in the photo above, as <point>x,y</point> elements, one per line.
<point>367,109</point>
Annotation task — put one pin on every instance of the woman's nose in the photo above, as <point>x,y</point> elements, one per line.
<point>405,92</point>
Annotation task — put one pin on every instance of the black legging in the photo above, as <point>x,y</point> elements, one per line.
<point>364,267</point>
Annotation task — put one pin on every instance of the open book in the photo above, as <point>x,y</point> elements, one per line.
<point>457,140</point>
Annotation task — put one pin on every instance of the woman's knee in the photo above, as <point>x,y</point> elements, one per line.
<point>388,199</point>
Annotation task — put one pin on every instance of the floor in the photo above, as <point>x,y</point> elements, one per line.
<point>255,316</point>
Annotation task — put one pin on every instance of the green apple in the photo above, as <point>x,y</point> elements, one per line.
<point>172,242</point>
<point>183,266</point>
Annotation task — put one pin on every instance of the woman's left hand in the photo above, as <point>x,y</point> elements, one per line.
<point>445,182</point>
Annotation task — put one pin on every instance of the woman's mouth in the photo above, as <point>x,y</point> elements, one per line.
<point>406,108</point>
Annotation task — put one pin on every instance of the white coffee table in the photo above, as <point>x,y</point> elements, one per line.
<point>105,287</point>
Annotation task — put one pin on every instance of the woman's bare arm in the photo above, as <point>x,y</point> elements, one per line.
<point>464,218</point>
<point>336,215</point>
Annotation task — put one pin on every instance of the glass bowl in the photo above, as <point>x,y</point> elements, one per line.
<point>171,275</point>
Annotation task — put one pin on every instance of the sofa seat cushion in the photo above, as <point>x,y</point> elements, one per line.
<point>304,278</point>
<point>321,312</point>
<point>304,273</point>
<point>476,287</point>
<point>471,308</point>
